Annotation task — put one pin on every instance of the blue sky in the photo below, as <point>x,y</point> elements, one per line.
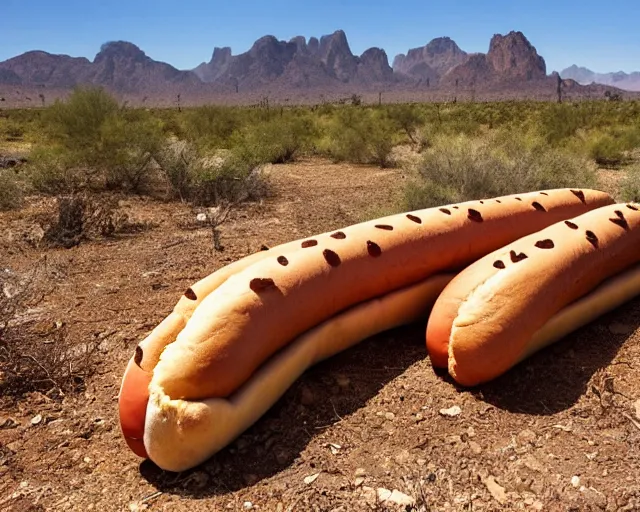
<point>603,36</point>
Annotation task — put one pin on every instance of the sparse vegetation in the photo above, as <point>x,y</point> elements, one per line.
<point>35,351</point>
<point>630,186</point>
<point>461,168</point>
<point>11,191</point>
<point>212,155</point>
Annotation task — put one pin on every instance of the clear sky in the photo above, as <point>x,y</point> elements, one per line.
<point>601,35</point>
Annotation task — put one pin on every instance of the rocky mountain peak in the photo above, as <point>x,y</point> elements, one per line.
<point>513,56</point>
<point>121,50</point>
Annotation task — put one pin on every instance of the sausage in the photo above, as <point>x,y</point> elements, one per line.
<point>521,297</point>
<point>259,310</point>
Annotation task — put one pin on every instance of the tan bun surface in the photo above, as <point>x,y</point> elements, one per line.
<point>260,309</point>
<point>504,308</point>
<point>167,330</point>
<point>181,434</point>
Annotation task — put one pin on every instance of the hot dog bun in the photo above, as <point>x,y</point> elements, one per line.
<point>179,434</point>
<point>260,309</point>
<point>512,302</point>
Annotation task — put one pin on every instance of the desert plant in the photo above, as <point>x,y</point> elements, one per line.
<point>279,140</point>
<point>630,185</point>
<point>78,122</point>
<point>36,352</point>
<point>461,168</point>
<point>11,190</point>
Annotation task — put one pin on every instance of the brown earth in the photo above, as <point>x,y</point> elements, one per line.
<point>559,432</point>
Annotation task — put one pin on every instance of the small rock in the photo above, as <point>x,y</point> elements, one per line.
<point>496,490</point>
<point>389,415</point>
<point>335,448</point>
<point>421,462</point>
<point>537,505</point>
<point>201,217</point>
<point>532,463</point>
<point>527,437</point>
<point>361,472</point>
<point>359,481</point>
<point>475,448</point>
<point>8,423</point>
<point>619,328</point>
<point>396,497</point>
<point>311,478</point>
<point>575,481</point>
<point>636,405</point>
<point>403,457</point>
<point>452,411</point>
<point>370,496</point>
<point>247,505</point>
<point>36,419</point>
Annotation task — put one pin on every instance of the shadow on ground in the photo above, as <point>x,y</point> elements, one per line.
<point>325,393</point>
<point>555,378</point>
<point>548,382</point>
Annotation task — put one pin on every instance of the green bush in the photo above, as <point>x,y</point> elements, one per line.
<point>226,178</point>
<point>77,123</point>
<point>606,150</point>
<point>11,191</point>
<point>212,126</point>
<point>461,168</point>
<point>128,145</point>
<point>630,185</point>
<point>54,170</point>
<point>95,143</point>
<point>279,140</point>
<point>362,136</point>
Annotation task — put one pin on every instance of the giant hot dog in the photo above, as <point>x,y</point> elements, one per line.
<point>257,311</point>
<point>522,297</point>
<point>216,347</point>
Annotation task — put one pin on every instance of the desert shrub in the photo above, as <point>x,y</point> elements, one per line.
<point>179,160</point>
<point>630,185</point>
<point>363,136</point>
<point>84,217</point>
<point>77,123</point>
<point>278,140</point>
<point>95,143</point>
<point>606,150</point>
<point>228,177</point>
<point>408,118</point>
<point>11,190</point>
<point>36,352</point>
<point>211,126</point>
<point>129,142</point>
<point>461,168</point>
<point>56,170</point>
<point>560,121</point>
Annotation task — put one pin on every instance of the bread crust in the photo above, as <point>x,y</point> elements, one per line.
<point>179,434</point>
<point>494,308</point>
<point>260,309</point>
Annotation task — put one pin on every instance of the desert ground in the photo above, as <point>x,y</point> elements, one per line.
<point>559,432</point>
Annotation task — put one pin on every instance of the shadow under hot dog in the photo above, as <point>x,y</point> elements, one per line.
<point>326,392</point>
<point>554,379</point>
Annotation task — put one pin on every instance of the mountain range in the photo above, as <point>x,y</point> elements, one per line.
<point>296,70</point>
<point>620,79</point>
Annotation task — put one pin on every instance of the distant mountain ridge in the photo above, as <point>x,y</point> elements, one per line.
<point>298,67</point>
<point>620,79</point>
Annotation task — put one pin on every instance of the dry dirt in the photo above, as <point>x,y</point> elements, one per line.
<point>559,432</point>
